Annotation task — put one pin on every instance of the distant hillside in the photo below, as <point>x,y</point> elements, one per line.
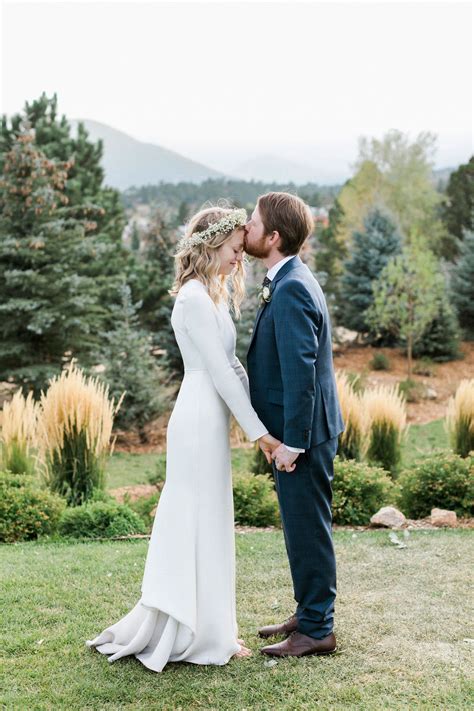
<point>128,162</point>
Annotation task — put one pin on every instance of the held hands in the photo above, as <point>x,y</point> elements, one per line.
<point>274,449</point>
<point>284,459</point>
<point>268,445</point>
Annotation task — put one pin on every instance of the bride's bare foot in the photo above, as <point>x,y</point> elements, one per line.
<point>243,651</point>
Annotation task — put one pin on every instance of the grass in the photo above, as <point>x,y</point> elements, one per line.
<point>424,440</point>
<point>126,469</point>
<point>401,624</point>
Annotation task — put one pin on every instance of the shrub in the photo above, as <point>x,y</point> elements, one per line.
<point>460,418</point>
<point>425,366</point>
<point>380,362</point>
<point>411,390</point>
<point>386,416</point>
<point>260,464</point>
<point>75,426</point>
<point>255,501</point>
<point>359,490</point>
<point>26,510</point>
<point>444,480</point>
<point>351,441</point>
<point>159,475</point>
<point>18,433</point>
<point>143,506</point>
<point>100,519</point>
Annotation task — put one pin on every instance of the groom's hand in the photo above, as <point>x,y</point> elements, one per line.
<point>284,459</point>
<point>268,444</point>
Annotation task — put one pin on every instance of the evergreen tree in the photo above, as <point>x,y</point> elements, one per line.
<point>459,212</point>
<point>371,250</point>
<point>150,282</point>
<point>462,285</point>
<point>49,306</point>
<point>330,253</point>
<point>440,340</point>
<point>125,353</point>
<point>87,199</point>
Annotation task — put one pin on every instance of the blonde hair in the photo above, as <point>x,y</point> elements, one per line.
<point>202,261</point>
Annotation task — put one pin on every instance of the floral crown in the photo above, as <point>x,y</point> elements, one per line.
<point>228,223</point>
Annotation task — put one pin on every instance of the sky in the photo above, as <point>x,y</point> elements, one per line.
<point>224,82</point>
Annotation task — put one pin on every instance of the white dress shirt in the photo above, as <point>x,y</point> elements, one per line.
<point>271,274</point>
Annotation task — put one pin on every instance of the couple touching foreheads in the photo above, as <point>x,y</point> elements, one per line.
<point>288,402</point>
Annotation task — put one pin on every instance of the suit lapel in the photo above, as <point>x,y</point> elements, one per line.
<point>290,264</point>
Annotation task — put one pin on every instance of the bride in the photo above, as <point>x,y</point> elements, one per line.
<point>187,609</point>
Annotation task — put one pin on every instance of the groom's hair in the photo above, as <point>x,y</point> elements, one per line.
<point>289,216</point>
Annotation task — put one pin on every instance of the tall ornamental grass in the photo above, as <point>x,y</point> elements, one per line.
<point>385,410</point>
<point>18,434</point>
<point>460,418</point>
<point>352,439</point>
<point>74,434</point>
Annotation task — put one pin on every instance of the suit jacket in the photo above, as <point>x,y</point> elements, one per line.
<point>289,360</point>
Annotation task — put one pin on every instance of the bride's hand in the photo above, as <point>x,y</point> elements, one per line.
<point>267,444</point>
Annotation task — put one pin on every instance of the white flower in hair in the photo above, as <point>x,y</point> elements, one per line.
<point>228,223</point>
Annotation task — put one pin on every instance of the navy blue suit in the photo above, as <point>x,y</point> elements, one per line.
<point>293,390</point>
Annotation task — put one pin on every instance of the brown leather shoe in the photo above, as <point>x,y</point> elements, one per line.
<point>286,628</point>
<point>300,645</point>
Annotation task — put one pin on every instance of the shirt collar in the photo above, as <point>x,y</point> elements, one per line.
<point>272,272</point>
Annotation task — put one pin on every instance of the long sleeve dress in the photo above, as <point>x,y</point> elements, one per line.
<point>187,609</point>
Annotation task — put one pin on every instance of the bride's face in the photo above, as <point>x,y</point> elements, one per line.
<point>231,252</point>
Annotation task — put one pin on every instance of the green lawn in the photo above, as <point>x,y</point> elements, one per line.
<point>402,621</point>
<point>126,469</point>
<point>424,439</point>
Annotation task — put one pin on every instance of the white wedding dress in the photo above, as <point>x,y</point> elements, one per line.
<point>187,608</point>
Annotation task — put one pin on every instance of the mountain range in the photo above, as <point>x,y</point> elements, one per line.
<point>129,162</point>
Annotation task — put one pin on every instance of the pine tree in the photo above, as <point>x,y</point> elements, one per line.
<point>462,286</point>
<point>370,252</point>
<point>152,278</point>
<point>330,253</point>
<point>440,340</point>
<point>49,306</point>
<point>87,198</point>
<point>459,212</point>
<point>129,366</point>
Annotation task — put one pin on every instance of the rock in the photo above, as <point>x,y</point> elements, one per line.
<point>343,335</point>
<point>389,517</point>
<point>431,394</point>
<point>443,517</point>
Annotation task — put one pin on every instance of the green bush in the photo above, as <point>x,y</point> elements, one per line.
<point>255,501</point>
<point>412,390</point>
<point>143,506</point>
<point>424,366</point>
<point>359,490</point>
<point>444,480</point>
<point>159,475</point>
<point>380,362</point>
<point>100,519</point>
<point>26,510</point>
<point>260,464</point>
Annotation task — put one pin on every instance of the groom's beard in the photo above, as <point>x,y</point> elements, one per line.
<point>257,249</point>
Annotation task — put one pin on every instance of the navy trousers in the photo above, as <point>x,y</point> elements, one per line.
<point>305,497</point>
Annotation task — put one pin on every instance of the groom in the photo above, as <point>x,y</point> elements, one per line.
<point>293,390</point>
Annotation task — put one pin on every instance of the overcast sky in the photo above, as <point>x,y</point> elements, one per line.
<point>223,82</point>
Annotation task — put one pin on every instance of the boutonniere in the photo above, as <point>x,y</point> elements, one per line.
<point>265,295</point>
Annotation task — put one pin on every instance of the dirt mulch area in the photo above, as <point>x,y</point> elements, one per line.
<point>444,381</point>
